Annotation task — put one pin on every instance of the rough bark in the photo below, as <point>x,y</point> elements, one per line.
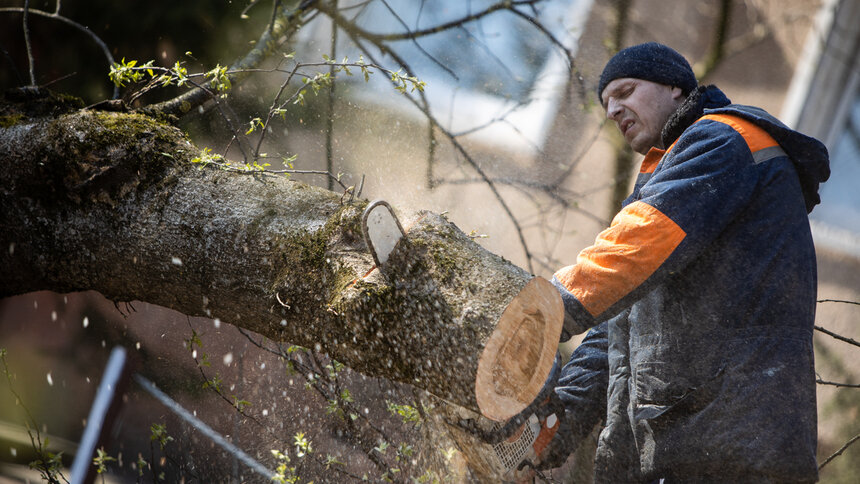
<point>111,202</point>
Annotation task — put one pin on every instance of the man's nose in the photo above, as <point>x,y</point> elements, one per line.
<point>613,109</point>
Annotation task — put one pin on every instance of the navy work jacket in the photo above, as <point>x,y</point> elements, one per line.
<point>701,298</point>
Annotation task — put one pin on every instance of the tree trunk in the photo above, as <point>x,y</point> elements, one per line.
<point>112,202</point>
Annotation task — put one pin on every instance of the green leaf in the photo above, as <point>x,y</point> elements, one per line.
<point>382,447</point>
<point>303,445</point>
<point>101,460</point>
<point>158,432</point>
<point>254,125</point>
<point>407,413</point>
<point>294,348</point>
<point>330,460</point>
<point>240,404</point>
<point>141,465</point>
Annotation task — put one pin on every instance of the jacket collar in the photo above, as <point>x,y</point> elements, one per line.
<point>808,155</point>
<point>693,108</point>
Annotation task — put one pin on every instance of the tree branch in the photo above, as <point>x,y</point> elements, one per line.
<point>839,301</point>
<point>414,34</point>
<point>286,22</point>
<point>56,16</point>
<point>837,336</point>
<point>26,28</point>
<point>717,50</point>
<point>836,384</point>
<point>424,108</point>
<point>111,202</point>
<point>839,452</point>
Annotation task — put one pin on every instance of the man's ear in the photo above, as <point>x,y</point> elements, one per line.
<point>677,93</point>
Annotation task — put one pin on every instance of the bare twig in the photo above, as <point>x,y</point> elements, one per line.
<point>56,16</point>
<point>558,195</point>
<point>839,452</point>
<point>431,155</point>
<point>571,63</point>
<point>273,109</point>
<point>354,33</point>
<point>574,162</point>
<point>287,21</point>
<point>329,131</point>
<point>43,465</point>
<point>414,40</point>
<point>839,301</point>
<point>837,336</point>
<point>27,43</point>
<point>330,390</point>
<point>216,388</point>
<point>836,384</point>
<point>414,34</point>
<point>718,45</point>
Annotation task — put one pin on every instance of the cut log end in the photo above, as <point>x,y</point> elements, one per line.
<point>519,354</point>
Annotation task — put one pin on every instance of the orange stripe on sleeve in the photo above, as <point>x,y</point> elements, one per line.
<point>639,240</point>
<point>756,138</point>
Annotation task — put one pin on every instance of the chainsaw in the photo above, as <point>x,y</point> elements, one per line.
<point>498,451</point>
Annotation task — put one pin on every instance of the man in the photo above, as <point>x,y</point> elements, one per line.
<point>701,294</point>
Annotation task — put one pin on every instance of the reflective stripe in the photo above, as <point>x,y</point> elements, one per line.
<point>766,154</point>
<point>757,138</point>
<point>637,243</point>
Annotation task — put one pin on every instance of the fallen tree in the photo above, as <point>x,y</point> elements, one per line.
<point>114,202</point>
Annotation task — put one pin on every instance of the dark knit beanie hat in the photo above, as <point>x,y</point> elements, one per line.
<point>652,62</point>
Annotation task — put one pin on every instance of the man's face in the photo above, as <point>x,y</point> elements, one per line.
<point>640,109</point>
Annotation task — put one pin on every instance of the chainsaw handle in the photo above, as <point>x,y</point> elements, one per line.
<point>544,404</point>
<point>492,436</point>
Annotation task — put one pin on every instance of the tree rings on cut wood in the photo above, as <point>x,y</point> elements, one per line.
<point>519,354</point>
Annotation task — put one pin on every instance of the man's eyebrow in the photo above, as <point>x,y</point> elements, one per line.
<point>618,87</point>
<point>607,93</point>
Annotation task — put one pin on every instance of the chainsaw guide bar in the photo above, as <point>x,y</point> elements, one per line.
<point>382,230</point>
